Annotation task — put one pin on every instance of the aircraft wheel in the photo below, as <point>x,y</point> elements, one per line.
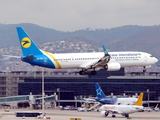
<point>93,72</point>
<point>81,72</point>
<point>144,70</point>
<point>106,114</point>
<point>113,116</point>
<point>127,115</point>
<point>106,67</point>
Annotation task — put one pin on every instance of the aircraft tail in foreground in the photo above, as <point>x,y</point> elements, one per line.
<point>27,45</point>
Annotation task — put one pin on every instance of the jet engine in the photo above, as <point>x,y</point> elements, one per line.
<point>112,67</point>
<point>104,113</point>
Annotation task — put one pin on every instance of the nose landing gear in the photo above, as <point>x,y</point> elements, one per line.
<point>144,70</point>
<point>82,72</point>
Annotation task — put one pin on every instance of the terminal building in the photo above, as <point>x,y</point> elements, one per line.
<point>71,86</point>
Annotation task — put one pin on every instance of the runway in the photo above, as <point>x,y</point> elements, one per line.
<point>67,114</point>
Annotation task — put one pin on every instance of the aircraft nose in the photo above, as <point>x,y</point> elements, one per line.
<point>156,60</point>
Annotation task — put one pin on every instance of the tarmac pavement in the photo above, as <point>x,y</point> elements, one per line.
<point>68,114</point>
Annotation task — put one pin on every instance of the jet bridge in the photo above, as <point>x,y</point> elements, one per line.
<point>32,100</point>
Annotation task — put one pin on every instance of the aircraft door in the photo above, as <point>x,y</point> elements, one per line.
<point>145,58</point>
<point>45,61</point>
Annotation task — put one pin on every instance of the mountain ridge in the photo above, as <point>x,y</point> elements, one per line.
<point>41,34</point>
<point>124,38</point>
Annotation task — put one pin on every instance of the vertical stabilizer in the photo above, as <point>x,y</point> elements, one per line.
<point>27,45</point>
<point>140,99</point>
<point>99,91</point>
<point>105,51</point>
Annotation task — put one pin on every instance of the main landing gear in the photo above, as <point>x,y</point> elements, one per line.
<point>82,72</point>
<point>144,69</point>
<point>126,115</point>
<point>106,114</point>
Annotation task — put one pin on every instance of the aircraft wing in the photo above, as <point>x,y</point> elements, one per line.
<point>100,63</point>
<point>29,57</point>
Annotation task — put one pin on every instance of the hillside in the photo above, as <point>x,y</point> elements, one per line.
<point>9,36</point>
<point>147,41</point>
<point>138,38</point>
<point>40,34</point>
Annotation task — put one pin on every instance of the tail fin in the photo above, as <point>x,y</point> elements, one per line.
<point>100,93</point>
<point>140,99</point>
<point>157,106</point>
<point>27,45</point>
<point>105,51</point>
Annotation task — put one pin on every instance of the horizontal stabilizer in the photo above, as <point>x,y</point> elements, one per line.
<point>29,57</point>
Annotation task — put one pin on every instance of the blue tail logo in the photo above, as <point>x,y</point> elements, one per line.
<point>26,42</point>
<point>100,93</point>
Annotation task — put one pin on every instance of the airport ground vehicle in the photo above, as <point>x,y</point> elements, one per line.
<point>27,114</point>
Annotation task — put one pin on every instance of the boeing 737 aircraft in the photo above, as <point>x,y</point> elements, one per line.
<point>101,97</point>
<point>93,62</point>
<point>124,110</point>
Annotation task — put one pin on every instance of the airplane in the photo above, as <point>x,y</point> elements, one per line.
<point>89,100</point>
<point>101,97</point>
<point>124,110</point>
<point>110,61</point>
<point>156,108</point>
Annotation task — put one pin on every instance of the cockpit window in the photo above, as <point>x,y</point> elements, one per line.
<point>151,56</point>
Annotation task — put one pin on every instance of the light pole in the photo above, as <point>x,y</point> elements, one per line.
<point>58,90</point>
<point>43,91</point>
<point>148,97</point>
<point>75,98</point>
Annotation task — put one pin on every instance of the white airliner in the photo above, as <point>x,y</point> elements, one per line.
<point>93,62</point>
<point>124,110</point>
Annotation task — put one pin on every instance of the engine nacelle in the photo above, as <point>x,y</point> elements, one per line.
<point>112,67</point>
<point>104,113</point>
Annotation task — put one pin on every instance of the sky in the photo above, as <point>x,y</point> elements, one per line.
<point>72,15</point>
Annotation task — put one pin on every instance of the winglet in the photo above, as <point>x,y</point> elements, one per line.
<point>140,99</point>
<point>105,51</point>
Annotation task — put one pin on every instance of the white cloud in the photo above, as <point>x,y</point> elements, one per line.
<point>70,15</point>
